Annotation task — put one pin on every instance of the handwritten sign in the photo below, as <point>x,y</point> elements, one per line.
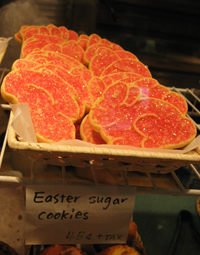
<point>81,214</point>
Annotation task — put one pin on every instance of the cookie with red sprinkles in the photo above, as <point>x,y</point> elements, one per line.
<point>139,122</point>
<point>87,134</point>
<point>42,92</point>
<point>127,65</point>
<point>38,41</point>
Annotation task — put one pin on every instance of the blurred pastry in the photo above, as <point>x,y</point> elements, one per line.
<point>62,250</point>
<point>134,239</point>
<point>119,250</point>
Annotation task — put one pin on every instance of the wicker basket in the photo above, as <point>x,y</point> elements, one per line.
<point>101,157</point>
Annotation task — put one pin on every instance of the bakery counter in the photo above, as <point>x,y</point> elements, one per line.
<point>160,196</point>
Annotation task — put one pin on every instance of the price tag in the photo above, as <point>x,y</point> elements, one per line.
<point>78,214</point>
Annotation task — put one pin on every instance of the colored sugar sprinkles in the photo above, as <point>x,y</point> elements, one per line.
<point>141,122</point>
<point>88,82</point>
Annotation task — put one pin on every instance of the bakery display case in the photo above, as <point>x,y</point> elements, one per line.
<point>163,178</point>
<point>165,182</point>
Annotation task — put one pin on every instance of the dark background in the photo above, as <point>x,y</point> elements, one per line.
<point>165,35</point>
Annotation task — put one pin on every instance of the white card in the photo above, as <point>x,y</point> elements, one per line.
<point>78,214</point>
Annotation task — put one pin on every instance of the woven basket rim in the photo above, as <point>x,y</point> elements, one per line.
<point>101,150</point>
